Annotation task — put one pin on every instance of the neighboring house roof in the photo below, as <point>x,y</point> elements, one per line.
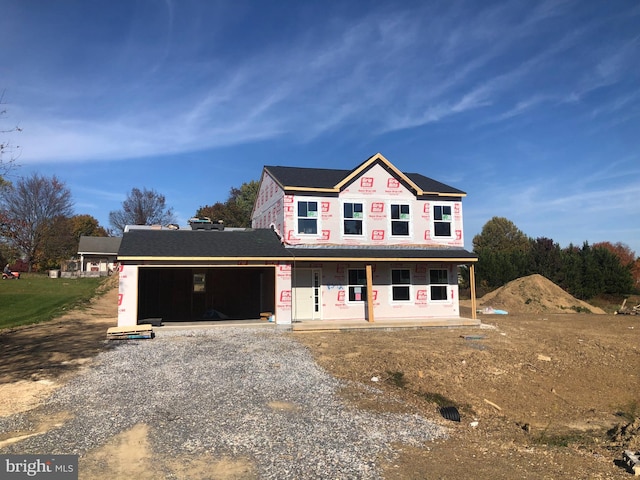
<point>260,244</point>
<point>99,245</point>
<point>334,180</point>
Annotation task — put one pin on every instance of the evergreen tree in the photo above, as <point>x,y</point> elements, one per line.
<point>545,258</point>
<point>503,252</point>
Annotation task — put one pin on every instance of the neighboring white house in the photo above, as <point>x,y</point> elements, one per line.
<point>98,255</point>
<point>368,244</point>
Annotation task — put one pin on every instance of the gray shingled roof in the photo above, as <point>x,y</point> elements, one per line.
<point>201,243</point>
<point>99,245</point>
<point>258,243</point>
<point>329,178</point>
<point>430,185</point>
<point>307,177</point>
<point>408,253</point>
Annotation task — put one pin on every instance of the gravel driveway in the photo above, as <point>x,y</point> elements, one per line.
<point>235,392</point>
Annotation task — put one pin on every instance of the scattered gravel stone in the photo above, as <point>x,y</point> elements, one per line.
<point>230,392</point>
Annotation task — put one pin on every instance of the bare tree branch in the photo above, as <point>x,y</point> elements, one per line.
<point>142,207</point>
<point>9,152</point>
<point>28,208</point>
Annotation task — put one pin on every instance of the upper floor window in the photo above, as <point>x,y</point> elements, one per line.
<point>400,284</point>
<point>439,281</point>
<point>442,220</point>
<point>399,219</point>
<point>352,218</point>
<point>357,285</point>
<point>308,217</point>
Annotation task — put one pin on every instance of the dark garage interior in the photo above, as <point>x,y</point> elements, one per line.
<point>205,293</point>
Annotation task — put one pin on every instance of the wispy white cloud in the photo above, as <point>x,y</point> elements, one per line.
<point>556,210</point>
<point>101,194</point>
<point>384,71</point>
<point>618,103</point>
<point>614,61</point>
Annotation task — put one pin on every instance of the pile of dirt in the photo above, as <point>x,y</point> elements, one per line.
<point>534,294</point>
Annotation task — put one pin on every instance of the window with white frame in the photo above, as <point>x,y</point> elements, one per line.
<point>352,220</point>
<point>308,217</point>
<point>357,285</point>
<point>401,284</point>
<point>439,281</point>
<point>399,219</point>
<point>442,220</point>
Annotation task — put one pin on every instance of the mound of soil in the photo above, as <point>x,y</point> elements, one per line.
<point>534,294</point>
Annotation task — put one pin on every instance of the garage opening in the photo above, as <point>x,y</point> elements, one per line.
<point>208,294</point>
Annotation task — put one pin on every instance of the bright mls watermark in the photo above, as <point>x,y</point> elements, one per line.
<point>50,467</point>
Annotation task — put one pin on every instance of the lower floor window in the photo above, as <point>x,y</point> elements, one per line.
<point>439,281</point>
<point>357,285</point>
<point>400,284</point>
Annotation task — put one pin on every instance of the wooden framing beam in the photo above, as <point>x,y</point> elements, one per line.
<point>472,283</point>
<point>369,272</point>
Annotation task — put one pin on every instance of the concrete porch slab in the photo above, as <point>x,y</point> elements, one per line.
<point>214,324</point>
<point>317,325</point>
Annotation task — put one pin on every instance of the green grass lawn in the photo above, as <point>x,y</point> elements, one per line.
<point>37,298</point>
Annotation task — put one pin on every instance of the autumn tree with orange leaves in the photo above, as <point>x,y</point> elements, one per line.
<point>627,258</point>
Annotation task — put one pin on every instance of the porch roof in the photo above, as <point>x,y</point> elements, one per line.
<point>399,253</point>
<point>263,244</point>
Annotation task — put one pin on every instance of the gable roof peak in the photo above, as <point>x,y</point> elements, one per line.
<point>329,180</point>
<point>380,159</point>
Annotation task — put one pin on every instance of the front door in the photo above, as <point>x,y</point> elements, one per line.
<point>306,296</point>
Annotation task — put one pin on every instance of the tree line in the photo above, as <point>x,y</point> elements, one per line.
<point>587,271</point>
<point>38,229</point>
<point>37,226</point>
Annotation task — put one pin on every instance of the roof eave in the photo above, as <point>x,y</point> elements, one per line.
<point>200,259</point>
<point>290,258</point>
<point>311,189</point>
<point>444,194</point>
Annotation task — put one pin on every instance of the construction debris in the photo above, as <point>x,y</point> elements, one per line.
<point>488,402</point>
<point>632,460</point>
<point>131,332</point>
<point>492,311</point>
<point>624,310</point>
<point>450,413</point>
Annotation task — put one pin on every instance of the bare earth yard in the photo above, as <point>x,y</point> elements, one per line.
<point>539,395</point>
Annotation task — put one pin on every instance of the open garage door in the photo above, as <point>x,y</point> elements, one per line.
<point>205,293</point>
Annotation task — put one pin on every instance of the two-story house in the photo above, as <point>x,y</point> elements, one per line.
<point>368,244</point>
<point>372,229</point>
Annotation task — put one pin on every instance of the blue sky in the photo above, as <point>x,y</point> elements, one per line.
<point>531,107</point>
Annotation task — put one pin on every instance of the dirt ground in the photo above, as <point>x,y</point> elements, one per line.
<point>537,395</point>
<point>540,395</point>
